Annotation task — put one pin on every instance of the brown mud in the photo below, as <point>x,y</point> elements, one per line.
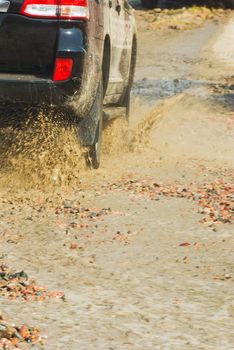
<point>142,247</point>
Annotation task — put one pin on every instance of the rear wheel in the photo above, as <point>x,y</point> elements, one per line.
<point>94,151</point>
<point>90,129</point>
<point>127,95</point>
<point>230,4</point>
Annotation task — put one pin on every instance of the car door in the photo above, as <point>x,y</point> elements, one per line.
<point>120,29</point>
<point>27,43</point>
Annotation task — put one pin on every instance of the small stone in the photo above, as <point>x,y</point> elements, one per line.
<point>73,246</point>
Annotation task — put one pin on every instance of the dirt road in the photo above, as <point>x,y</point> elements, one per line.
<point>143,247</point>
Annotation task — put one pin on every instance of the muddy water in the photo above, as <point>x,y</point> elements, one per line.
<point>128,284</point>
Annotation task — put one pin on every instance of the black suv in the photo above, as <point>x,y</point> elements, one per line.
<point>75,53</point>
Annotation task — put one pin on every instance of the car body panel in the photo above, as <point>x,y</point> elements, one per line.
<point>27,46</point>
<point>121,28</point>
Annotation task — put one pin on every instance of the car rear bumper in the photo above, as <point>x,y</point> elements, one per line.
<point>34,91</point>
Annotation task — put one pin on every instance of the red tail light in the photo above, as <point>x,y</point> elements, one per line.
<point>67,9</point>
<point>74,9</point>
<point>63,69</point>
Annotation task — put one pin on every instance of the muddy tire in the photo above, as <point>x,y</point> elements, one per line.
<point>94,150</point>
<point>150,4</point>
<point>89,129</point>
<point>126,103</point>
<point>127,95</point>
<point>230,4</point>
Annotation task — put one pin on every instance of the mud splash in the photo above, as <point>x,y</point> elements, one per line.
<point>42,152</point>
<point>38,151</point>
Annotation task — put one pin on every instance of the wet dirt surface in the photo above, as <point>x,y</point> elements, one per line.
<point>141,248</point>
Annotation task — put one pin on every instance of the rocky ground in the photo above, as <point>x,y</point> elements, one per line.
<point>138,254</point>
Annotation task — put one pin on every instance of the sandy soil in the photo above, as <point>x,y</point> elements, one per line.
<point>139,270</point>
